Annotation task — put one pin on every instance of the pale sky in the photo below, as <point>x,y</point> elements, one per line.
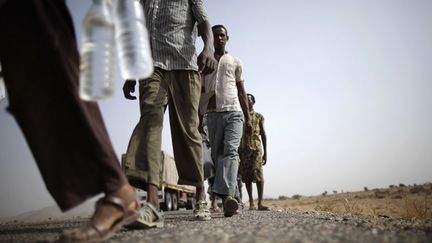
<point>345,87</point>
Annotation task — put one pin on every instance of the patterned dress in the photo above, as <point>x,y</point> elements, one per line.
<point>250,151</point>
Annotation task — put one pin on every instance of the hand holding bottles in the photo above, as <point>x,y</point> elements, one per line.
<point>132,40</point>
<point>125,29</point>
<point>97,56</point>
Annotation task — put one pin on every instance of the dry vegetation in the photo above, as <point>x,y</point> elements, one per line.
<point>401,202</point>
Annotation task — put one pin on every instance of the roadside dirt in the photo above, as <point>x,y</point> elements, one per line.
<point>399,202</point>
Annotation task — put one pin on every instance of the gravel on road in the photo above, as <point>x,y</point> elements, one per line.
<point>247,226</point>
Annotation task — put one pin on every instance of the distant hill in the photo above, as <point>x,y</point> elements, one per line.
<point>53,213</point>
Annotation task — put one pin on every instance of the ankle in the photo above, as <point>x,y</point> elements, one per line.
<point>152,196</point>
<point>200,194</point>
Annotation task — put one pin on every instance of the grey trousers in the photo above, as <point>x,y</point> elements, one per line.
<point>225,131</point>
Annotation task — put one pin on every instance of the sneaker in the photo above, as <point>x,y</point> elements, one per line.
<point>201,211</point>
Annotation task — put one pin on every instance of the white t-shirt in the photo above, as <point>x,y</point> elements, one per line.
<point>223,84</point>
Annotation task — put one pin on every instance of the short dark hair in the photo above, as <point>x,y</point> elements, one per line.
<point>252,98</point>
<point>220,26</point>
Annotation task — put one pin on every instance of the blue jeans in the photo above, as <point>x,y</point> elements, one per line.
<point>225,130</point>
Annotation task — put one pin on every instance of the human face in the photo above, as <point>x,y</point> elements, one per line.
<point>250,102</point>
<point>220,38</point>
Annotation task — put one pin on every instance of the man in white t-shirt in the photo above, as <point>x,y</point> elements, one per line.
<point>225,100</point>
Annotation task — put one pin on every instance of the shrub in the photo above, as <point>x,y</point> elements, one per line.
<point>416,189</point>
<point>334,192</point>
<point>366,189</point>
<point>324,193</point>
<point>296,196</point>
<point>283,197</point>
<point>418,208</point>
<point>401,185</point>
<point>379,194</point>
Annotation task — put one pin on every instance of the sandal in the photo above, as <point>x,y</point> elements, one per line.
<point>146,220</point>
<point>95,232</point>
<point>230,207</point>
<point>216,210</point>
<point>263,208</point>
<point>201,211</point>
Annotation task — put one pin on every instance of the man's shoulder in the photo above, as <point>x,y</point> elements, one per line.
<point>233,58</point>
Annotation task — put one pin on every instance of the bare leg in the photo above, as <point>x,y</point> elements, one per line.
<point>249,191</point>
<point>152,195</point>
<point>213,201</point>
<point>200,194</point>
<point>260,188</point>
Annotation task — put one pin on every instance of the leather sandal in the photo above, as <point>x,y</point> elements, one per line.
<point>215,210</point>
<point>263,208</point>
<point>230,206</point>
<point>94,232</point>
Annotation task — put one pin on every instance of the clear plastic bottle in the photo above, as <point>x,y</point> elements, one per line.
<point>97,55</point>
<point>2,85</point>
<point>132,40</point>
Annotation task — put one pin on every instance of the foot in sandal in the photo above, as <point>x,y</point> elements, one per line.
<point>112,212</point>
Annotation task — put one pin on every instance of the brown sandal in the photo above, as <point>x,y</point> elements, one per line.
<point>263,208</point>
<point>94,232</point>
<point>230,206</point>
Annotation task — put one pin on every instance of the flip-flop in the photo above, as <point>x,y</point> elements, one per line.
<point>216,210</point>
<point>263,208</point>
<point>145,220</point>
<point>94,232</point>
<point>230,207</point>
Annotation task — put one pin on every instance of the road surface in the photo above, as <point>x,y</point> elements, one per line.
<point>248,226</point>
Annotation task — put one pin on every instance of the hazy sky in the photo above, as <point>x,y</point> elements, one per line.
<point>345,87</point>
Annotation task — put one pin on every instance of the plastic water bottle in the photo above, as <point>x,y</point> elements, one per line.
<point>2,86</point>
<point>97,67</point>
<point>132,40</point>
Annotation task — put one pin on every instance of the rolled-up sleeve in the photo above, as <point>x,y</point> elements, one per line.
<point>239,71</point>
<point>199,11</point>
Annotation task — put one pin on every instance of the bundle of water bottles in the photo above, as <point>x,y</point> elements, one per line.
<point>112,25</point>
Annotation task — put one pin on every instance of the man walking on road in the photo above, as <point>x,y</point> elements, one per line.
<point>251,157</point>
<point>173,28</point>
<point>66,135</point>
<point>226,111</point>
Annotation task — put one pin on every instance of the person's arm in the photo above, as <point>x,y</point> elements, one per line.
<point>244,105</point>
<point>206,61</point>
<point>201,109</point>
<point>128,88</point>
<point>242,96</point>
<point>264,140</point>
